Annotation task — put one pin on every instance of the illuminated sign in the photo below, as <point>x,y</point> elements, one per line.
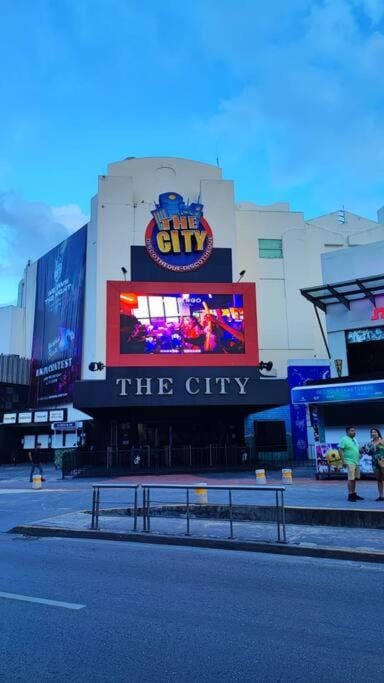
<point>56,415</point>
<point>9,418</point>
<point>24,418</point>
<point>178,237</point>
<point>378,314</point>
<point>339,393</point>
<point>41,416</point>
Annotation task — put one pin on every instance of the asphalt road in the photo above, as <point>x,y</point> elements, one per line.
<point>156,613</point>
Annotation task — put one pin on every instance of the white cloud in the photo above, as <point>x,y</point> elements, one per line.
<point>70,216</point>
<point>27,231</point>
<point>309,97</point>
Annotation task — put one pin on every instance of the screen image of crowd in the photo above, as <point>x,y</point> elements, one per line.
<point>181,323</point>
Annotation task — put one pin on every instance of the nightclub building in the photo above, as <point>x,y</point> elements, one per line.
<point>147,327</point>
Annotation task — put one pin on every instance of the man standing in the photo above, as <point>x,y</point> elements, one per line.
<point>35,460</point>
<point>350,455</point>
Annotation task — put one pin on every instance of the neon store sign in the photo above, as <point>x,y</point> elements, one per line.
<point>178,237</point>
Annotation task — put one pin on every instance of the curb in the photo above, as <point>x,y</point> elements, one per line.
<point>294,514</point>
<point>199,542</point>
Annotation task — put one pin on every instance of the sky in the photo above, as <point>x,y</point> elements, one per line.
<point>287,95</point>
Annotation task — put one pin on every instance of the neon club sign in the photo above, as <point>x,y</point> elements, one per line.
<point>178,237</point>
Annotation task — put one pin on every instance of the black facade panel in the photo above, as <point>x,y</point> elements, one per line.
<point>217,269</point>
<point>203,386</point>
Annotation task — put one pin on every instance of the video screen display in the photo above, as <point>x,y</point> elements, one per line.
<point>181,323</point>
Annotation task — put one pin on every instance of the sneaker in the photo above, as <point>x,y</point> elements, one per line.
<point>352,498</point>
<point>358,497</point>
<point>380,498</point>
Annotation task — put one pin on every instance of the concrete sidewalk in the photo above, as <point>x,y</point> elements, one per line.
<point>305,491</point>
<point>364,545</point>
<point>319,510</point>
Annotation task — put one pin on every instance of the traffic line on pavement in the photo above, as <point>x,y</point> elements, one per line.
<point>41,601</point>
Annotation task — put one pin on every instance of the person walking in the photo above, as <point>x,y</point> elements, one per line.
<point>349,451</point>
<point>375,448</point>
<point>35,460</point>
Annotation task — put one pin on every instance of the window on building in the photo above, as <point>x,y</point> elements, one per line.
<point>270,248</point>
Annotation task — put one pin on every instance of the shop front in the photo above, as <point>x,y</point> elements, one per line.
<point>354,395</point>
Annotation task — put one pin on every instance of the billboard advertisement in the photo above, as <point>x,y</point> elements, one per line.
<point>328,460</point>
<point>173,325</point>
<point>58,325</point>
<point>298,376</point>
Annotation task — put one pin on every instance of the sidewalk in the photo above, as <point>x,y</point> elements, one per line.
<point>305,491</point>
<point>364,545</point>
<point>307,497</point>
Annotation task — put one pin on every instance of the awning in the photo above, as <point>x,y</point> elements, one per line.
<point>345,292</point>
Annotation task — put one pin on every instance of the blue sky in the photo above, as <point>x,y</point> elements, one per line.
<point>288,95</point>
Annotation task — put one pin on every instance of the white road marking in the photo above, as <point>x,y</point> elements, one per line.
<point>6,491</point>
<point>41,601</point>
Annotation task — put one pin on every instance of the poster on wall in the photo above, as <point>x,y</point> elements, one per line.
<point>328,460</point>
<point>58,326</point>
<point>299,375</point>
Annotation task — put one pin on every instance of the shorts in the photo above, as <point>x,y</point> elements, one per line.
<point>379,473</point>
<point>353,472</point>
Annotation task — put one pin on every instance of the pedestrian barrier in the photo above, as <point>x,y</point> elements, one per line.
<point>286,474</point>
<point>260,476</point>
<point>201,494</point>
<point>132,504</point>
<point>279,503</point>
<point>36,481</point>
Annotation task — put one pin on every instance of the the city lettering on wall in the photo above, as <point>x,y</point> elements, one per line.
<point>163,386</point>
<point>178,237</point>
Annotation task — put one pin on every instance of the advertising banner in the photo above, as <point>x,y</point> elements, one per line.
<point>328,460</point>
<point>58,325</point>
<point>299,375</point>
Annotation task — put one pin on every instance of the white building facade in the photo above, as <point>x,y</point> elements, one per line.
<point>279,250</point>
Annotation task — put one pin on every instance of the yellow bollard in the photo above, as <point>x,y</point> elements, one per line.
<point>36,481</point>
<point>286,474</point>
<point>260,477</point>
<point>201,494</point>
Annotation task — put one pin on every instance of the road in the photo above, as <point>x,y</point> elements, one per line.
<point>156,613</point>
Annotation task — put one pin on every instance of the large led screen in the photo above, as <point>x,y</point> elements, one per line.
<point>170,324</point>
<point>181,323</point>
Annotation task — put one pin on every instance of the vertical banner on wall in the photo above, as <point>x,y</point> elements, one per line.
<point>58,326</point>
<point>298,375</point>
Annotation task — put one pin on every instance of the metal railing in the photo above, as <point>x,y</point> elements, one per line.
<point>279,503</point>
<point>174,458</point>
<point>96,501</point>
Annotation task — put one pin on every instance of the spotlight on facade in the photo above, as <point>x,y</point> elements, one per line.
<point>265,366</point>
<point>241,275</point>
<point>124,271</point>
<point>96,367</point>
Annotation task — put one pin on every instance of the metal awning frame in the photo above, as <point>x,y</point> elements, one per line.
<point>352,290</point>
